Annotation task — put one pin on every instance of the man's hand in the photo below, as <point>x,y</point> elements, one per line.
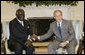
<point>63,44</point>
<point>28,43</point>
<point>34,37</point>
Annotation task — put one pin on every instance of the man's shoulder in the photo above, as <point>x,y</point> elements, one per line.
<point>53,23</point>
<point>26,21</point>
<point>66,21</point>
<point>13,20</point>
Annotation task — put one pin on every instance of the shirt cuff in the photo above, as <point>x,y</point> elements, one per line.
<point>67,41</point>
<point>38,37</point>
<point>29,38</point>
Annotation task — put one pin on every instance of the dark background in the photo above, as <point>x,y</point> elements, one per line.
<point>40,25</point>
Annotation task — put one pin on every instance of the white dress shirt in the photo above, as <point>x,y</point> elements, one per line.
<point>59,23</point>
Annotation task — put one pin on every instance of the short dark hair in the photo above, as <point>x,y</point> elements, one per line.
<point>19,10</point>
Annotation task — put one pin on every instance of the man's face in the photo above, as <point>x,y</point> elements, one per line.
<point>20,14</point>
<point>58,16</point>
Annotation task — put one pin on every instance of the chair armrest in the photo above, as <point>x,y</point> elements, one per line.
<point>76,48</point>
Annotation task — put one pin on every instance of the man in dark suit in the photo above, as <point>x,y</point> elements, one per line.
<point>20,31</point>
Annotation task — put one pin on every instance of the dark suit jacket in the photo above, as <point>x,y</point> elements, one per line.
<point>19,33</point>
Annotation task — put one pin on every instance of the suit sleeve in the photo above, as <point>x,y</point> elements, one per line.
<point>21,38</point>
<point>71,32</point>
<point>47,35</point>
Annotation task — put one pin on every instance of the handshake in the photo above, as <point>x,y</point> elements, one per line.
<point>34,37</point>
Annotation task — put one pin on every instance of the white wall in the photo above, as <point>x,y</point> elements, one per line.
<point>77,12</point>
<point>8,11</point>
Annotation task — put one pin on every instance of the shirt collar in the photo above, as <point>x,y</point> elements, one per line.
<point>19,20</point>
<point>60,23</point>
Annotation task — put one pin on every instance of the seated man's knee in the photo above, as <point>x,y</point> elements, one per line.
<point>30,47</point>
<point>51,46</point>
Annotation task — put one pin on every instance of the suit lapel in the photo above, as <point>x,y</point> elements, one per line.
<point>62,27</point>
<point>25,24</point>
<point>19,25</point>
<point>56,31</point>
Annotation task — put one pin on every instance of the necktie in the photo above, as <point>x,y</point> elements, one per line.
<point>60,31</point>
<point>60,34</point>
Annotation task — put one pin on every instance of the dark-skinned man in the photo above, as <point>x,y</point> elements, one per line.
<point>20,31</point>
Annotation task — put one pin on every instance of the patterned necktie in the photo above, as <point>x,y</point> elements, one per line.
<point>60,31</point>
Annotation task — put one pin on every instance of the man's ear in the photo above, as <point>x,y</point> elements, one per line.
<point>16,13</point>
